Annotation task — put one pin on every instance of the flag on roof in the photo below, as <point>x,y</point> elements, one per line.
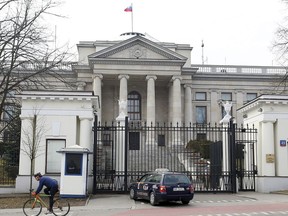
<point>128,9</point>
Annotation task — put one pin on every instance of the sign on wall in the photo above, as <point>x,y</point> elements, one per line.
<point>270,158</point>
<point>283,143</point>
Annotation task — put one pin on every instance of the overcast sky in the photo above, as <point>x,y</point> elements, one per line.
<point>234,32</point>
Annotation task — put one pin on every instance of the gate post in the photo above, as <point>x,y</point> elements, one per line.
<point>94,153</point>
<point>126,155</point>
<point>232,156</point>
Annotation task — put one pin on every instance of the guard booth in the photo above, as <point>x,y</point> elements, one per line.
<point>73,181</point>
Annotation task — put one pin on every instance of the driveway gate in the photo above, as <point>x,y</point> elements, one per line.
<point>216,158</point>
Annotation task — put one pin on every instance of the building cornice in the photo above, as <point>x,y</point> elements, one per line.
<point>264,100</point>
<point>137,62</point>
<point>59,96</point>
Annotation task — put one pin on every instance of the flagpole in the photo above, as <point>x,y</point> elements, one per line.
<point>132,16</point>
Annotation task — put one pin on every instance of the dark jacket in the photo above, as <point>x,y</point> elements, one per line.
<point>48,182</point>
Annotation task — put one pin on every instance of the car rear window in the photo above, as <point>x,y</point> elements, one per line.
<point>176,179</point>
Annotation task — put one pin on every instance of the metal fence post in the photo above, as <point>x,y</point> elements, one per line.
<point>232,156</point>
<point>126,155</point>
<point>94,154</point>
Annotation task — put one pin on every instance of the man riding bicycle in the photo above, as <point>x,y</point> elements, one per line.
<point>51,188</point>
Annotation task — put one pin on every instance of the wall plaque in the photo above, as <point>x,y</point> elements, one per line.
<point>270,158</point>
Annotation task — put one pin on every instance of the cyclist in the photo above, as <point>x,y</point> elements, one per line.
<point>51,188</point>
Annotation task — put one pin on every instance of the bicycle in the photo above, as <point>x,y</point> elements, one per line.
<point>33,206</point>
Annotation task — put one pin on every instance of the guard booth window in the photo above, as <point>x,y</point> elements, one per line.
<point>73,164</point>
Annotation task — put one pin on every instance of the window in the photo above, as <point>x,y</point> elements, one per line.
<point>250,96</point>
<point>73,164</point>
<point>226,96</point>
<point>201,114</point>
<point>201,136</point>
<point>106,139</point>
<point>134,106</point>
<point>154,179</point>
<point>161,140</point>
<point>11,94</point>
<point>200,96</point>
<point>53,159</point>
<point>134,141</point>
<point>143,178</point>
<point>8,112</point>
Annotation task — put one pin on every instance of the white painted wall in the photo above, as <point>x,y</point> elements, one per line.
<point>269,114</point>
<point>60,116</point>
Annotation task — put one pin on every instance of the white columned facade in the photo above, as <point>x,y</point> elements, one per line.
<point>268,168</point>
<point>188,105</point>
<point>97,89</point>
<point>150,138</point>
<point>176,100</point>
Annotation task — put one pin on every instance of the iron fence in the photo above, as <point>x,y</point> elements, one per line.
<point>216,158</point>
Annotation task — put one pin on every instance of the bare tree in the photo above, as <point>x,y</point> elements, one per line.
<point>280,47</point>
<point>31,139</point>
<point>26,59</point>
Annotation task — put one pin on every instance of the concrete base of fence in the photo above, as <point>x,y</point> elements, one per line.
<point>267,184</point>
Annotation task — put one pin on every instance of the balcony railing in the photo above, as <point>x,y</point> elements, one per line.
<point>239,69</point>
<point>29,66</point>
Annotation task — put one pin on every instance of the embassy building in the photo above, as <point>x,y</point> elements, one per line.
<point>153,84</point>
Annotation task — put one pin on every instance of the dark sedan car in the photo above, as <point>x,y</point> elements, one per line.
<point>161,186</point>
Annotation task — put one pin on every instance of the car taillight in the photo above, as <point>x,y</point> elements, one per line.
<point>191,188</point>
<point>162,189</point>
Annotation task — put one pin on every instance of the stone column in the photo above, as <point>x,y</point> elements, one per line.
<point>188,105</point>
<point>97,89</point>
<point>225,143</point>
<point>177,111</point>
<point>120,148</point>
<point>176,100</point>
<point>268,168</point>
<point>170,107</point>
<point>123,94</point>
<point>24,160</point>
<point>239,103</point>
<point>151,99</point>
<point>150,137</point>
<point>85,135</point>
<point>215,105</point>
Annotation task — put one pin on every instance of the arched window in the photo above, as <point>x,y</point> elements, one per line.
<point>134,106</point>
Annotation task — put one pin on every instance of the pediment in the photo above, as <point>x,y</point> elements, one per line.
<point>137,48</point>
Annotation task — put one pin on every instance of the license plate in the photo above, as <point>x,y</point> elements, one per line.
<point>178,189</point>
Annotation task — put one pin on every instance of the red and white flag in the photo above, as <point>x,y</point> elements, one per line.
<point>128,9</point>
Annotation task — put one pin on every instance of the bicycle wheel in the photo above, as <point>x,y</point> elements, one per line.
<point>61,207</point>
<point>32,208</point>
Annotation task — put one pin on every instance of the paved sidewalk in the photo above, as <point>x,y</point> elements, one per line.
<point>110,201</point>
<point>122,201</point>
<point>101,203</point>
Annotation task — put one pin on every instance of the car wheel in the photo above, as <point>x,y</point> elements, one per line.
<point>185,202</point>
<point>133,194</point>
<point>152,199</point>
